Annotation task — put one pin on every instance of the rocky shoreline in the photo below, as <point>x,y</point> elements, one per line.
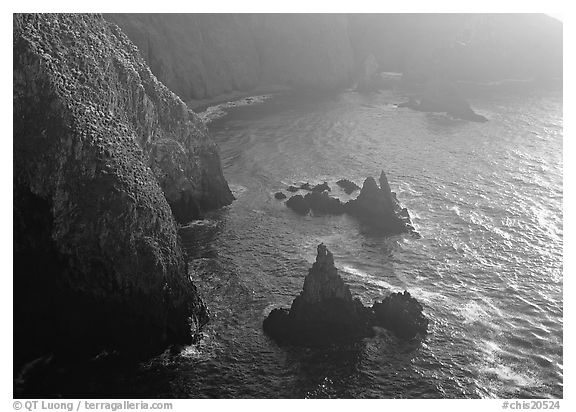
<point>106,161</point>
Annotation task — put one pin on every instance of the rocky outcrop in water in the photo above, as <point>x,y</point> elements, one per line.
<point>322,203</point>
<point>402,314</point>
<point>104,157</point>
<point>298,204</point>
<point>325,312</point>
<point>379,207</point>
<point>442,96</point>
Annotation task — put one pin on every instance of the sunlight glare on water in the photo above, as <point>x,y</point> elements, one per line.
<point>487,200</point>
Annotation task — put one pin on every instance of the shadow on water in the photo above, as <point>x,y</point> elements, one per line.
<point>346,371</point>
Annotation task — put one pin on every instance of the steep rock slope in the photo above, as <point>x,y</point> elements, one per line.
<point>204,55</point>
<point>100,150</point>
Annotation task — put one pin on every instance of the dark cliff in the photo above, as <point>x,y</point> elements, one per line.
<point>205,55</point>
<point>101,151</point>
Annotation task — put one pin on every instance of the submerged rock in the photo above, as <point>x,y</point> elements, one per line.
<point>279,195</point>
<point>379,207</point>
<point>298,204</point>
<point>326,312</point>
<point>348,186</point>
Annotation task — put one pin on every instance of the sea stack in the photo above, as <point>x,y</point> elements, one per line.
<point>379,207</point>
<point>325,312</point>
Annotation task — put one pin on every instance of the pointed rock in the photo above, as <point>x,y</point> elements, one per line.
<point>323,281</point>
<point>379,207</point>
<point>326,312</point>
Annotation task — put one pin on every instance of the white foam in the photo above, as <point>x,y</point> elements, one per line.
<point>505,373</point>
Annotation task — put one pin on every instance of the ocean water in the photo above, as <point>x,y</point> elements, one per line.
<point>487,200</point>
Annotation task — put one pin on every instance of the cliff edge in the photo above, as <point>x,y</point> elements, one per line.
<point>102,151</point>
<point>205,55</point>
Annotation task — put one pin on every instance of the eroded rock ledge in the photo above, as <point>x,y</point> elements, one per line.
<point>325,312</point>
<point>101,151</point>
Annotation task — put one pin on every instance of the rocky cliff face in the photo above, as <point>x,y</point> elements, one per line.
<point>204,55</point>
<point>101,152</point>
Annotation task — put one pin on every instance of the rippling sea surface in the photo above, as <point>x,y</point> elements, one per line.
<point>487,200</point>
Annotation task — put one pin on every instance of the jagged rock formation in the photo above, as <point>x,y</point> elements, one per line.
<point>325,311</point>
<point>375,205</point>
<point>101,152</point>
<point>379,207</point>
<point>205,55</point>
